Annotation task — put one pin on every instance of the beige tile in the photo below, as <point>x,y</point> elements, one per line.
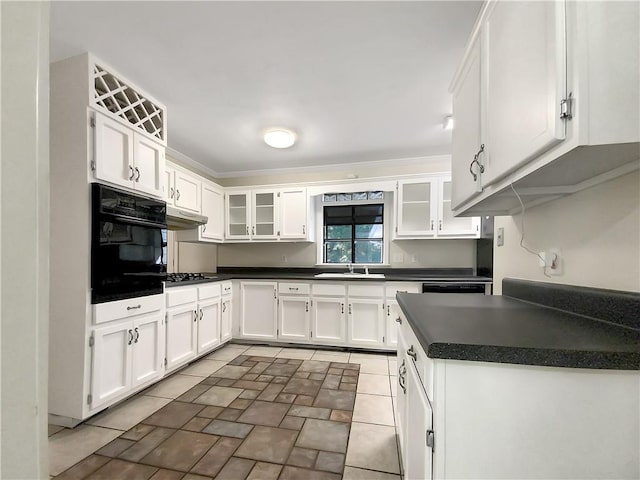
<point>125,416</point>
<point>263,351</point>
<point>373,409</point>
<point>296,353</point>
<point>374,384</point>
<point>373,447</point>
<point>219,396</point>
<point>53,429</point>
<point>356,356</point>
<point>375,366</point>
<point>352,473</point>
<point>203,368</point>
<point>331,356</point>
<point>174,386</point>
<point>226,353</point>
<point>69,446</point>
<point>394,386</point>
<point>393,366</point>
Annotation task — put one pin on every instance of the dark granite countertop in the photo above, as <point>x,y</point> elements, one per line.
<point>509,330</point>
<point>447,275</point>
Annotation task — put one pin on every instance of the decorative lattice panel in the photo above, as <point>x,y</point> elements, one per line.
<point>120,99</point>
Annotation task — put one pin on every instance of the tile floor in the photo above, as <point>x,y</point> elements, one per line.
<point>245,412</point>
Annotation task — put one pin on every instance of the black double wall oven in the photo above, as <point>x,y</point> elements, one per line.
<point>128,245</point>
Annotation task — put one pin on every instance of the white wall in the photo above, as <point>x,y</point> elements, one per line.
<point>24,239</point>
<point>597,231</point>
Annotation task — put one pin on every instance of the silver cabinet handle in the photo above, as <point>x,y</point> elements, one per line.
<point>293,289</point>
<point>253,230</point>
<point>303,230</point>
<point>475,160</point>
<point>172,192</point>
<point>399,320</point>
<point>135,307</point>
<point>224,306</point>
<point>306,306</point>
<point>401,379</point>
<point>137,335</point>
<point>204,228</point>
<point>412,353</point>
<point>130,337</point>
<point>195,316</point>
<point>388,311</point>
<point>201,314</point>
<point>349,309</point>
<point>131,174</point>
<point>177,194</point>
<point>342,308</point>
<point>138,174</point>
<point>247,229</point>
<point>440,225</point>
<point>431,224</point>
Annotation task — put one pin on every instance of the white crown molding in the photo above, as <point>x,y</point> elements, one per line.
<point>396,162</point>
<point>188,161</point>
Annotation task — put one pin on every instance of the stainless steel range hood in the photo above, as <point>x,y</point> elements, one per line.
<point>181,220</point>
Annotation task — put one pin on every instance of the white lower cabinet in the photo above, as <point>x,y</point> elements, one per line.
<point>329,321</point>
<point>294,311</point>
<point>226,316</point>
<point>419,447</point>
<point>258,315</point>
<point>126,354</point>
<point>392,315</point>
<point>181,326</point>
<point>365,314</point>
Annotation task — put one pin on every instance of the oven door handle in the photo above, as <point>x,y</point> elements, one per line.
<point>130,220</point>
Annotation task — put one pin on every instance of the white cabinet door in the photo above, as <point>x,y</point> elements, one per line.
<point>238,218</point>
<point>366,326</point>
<point>448,225</point>
<point>416,208</point>
<point>225,319</point>
<point>466,133</point>
<point>187,191</point>
<point>329,322</point>
<point>392,314</point>
<point>293,213</point>
<point>113,143</point>
<point>401,399</point>
<point>258,318</point>
<point>149,165</point>
<point>525,83</point>
<point>213,209</point>
<point>264,215</point>
<point>419,422</point>
<point>181,330</point>
<point>148,349</point>
<point>111,372</point>
<point>294,316</point>
<point>168,188</point>
<point>208,324</point>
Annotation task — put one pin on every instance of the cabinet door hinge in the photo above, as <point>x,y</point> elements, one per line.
<point>566,107</point>
<point>430,439</point>
<point>383,339</point>
<point>396,229</point>
<point>277,331</point>
<point>92,340</point>
<point>311,334</point>
<point>92,122</point>
<point>165,361</point>
<point>278,194</point>
<point>89,399</point>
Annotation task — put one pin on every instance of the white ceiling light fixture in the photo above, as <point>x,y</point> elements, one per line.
<point>447,123</point>
<point>279,137</point>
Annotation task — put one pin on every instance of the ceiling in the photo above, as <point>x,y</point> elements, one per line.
<point>358,81</point>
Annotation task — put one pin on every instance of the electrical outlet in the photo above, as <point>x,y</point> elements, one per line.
<point>414,258</point>
<point>551,261</point>
<point>398,258</point>
<point>284,259</point>
<point>500,237</point>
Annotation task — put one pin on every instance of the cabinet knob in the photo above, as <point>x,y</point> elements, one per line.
<point>399,320</point>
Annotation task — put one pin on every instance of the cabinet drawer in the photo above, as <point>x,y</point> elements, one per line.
<point>294,288</point>
<point>332,289</point>
<point>392,289</point>
<point>424,364</point>
<point>361,290</point>
<point>227,288</point>
<point>180,296</point>
<point>109,311</point>
<point>209,291</point>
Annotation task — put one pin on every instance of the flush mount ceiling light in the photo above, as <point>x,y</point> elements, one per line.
<point>280,137</point>
<point>447,123</point>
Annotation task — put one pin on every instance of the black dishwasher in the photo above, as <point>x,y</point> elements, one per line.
<point>455,287</point>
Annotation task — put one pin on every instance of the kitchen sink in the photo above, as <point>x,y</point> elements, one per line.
<point>349,275</point>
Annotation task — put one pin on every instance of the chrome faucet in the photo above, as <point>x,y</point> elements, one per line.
<point>366,270</point>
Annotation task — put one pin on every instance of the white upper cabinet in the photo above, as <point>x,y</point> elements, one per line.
<point>238,207</point>
<point>126,158</point>
<point>293,213</point>
<point>545,100</point>
<point>187,191</point>
<point>264,214</point>
<point>416,209</point>
<point>423,210</point>
<point>213,209</point>
<point>525,81</point>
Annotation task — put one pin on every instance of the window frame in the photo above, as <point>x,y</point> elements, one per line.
<point>388,215</point>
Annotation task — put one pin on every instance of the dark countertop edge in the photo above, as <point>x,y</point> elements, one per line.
<point>307,277</point>
<point>586,359</point>
<point>597,360</point>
